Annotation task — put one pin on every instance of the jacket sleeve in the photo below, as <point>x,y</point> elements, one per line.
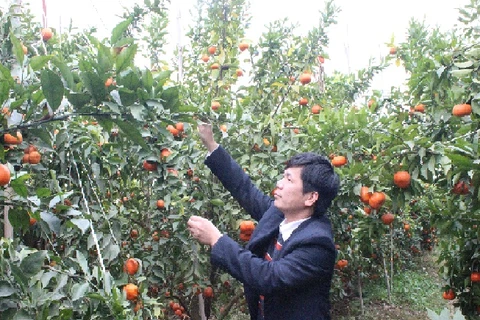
<point>311,260</point>
<point>238,183</point>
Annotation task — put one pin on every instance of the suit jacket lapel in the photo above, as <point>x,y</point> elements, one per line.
<point>266,230</point>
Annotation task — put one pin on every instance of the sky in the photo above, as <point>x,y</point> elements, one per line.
<point>362,30</point>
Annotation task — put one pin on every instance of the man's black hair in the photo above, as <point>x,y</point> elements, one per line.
<point>317,175</point>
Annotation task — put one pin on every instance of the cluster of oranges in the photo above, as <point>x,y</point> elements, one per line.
<point>177,129</point>
<point>131,290</point>
<point>31,155</point>
<point>341,264</point>
<point>246,229</point>
<point>177,309</point>
<point>461,188</point>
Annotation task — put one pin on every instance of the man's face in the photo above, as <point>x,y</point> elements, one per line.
<point>289,197</point>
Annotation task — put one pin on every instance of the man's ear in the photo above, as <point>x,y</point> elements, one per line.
<point>312,197</point>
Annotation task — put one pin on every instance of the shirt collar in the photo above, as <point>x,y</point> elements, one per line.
<point>286,229</point>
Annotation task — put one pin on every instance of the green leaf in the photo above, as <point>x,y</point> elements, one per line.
<point>131,132</point>
<point>33,263</point>
<point>52,87</point>
<point>171,98</point>
<point>38,62</point>
<point>127,97</point>
<point>6,83</point>
<point>17,48</point>
<point>19,186</point>
<point>137,112</point>
<point>19,276</point>
<point>82,262</point>
<point>78,290</point>
<point>43,192</point>
<point>95,296</point>
<point>111,252</point>
<point>129,80</point>
<point>52,221</point>
<point>94,85</point>
<point>119,30</point>
<point>217,202</point>
<point>19,218</point>
<point>78,100</point>
<point>147,80</point>
<point>65,71</point>
<point>113,107</point>
<point>82,224</point>
<point>461,73</point>
<point>105,60</point>
<point>126,58</point>
<point>6,290</point>
<point>463,65</point>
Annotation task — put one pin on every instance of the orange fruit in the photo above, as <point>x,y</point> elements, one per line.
<point>239,72</point>
<point>321,59</point>
<point>29,149</point>
<point>10,139</point>
<point>149,165</point>
<point>205,58</point>
<point>461,110</point>
<point>245,237</point>
<point>212,49</point>
<point>4,174</point>
<point>393,50</point>
<point>138,306</point>
<point>24,49</point>
<point>131,291</point>
<point>223,128</point>
<point>160,204</point>
<point>316,109</point>
<point>26,158</point>
<point>215,105</point>
<point>46,34</point>
<point>339,161</point>
<point>377,199</point>
<point>247,226</point>
<point>419,108</point>
<point>342,263</point>
<point>165,153</point>
<point>208,292</point>
<point>448,294</point>
<point>34,157</point>
<point>305,78</point>
<point>387,218</point>
<point>108,82</point>
<point>401,179</point>
<point>179,126</point>
<point>367,210</point>
<point>243,46</point>
<point>365,194</point>
<point>215,66</point>
<point>134,233</point>
<point>131,266</point>
<point>303,101</point>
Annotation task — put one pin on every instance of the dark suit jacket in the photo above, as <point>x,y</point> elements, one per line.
<point>297,285</point>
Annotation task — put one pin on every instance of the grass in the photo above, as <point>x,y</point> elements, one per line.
<point>413,292</point>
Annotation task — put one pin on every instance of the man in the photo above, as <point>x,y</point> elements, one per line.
<point>287,266</point>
